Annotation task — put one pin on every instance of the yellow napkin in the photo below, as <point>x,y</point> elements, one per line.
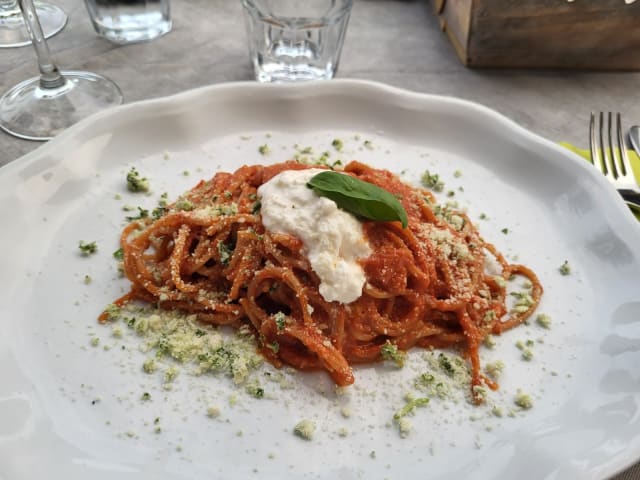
<point>633,159</point>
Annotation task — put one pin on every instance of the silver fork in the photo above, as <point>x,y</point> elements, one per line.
<point>611,160</point>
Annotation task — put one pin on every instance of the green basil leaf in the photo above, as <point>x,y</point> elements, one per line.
<point>359,197</point>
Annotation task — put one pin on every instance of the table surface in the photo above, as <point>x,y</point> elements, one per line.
<point>397,42</point>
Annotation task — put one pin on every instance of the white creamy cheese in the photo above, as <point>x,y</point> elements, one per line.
<point>333,239</point>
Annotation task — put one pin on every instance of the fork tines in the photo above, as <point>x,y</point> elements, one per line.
<point>612,160</point>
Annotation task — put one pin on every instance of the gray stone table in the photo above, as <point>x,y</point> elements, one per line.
<point>392,41</point>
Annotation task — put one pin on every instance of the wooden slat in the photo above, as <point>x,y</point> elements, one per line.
<point>591,34</point>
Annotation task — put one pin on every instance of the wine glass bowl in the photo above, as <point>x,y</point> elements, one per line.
<point>13,29</point>
<point>41,107</point>
<point>32,111</point>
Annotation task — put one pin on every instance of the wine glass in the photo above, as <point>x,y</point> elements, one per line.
<point>13,31</point>
<point>41,107</point>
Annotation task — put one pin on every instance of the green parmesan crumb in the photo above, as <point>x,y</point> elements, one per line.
<point>494,369</point>
<point>505,230</point>
<point>489,317</point>
<point>544,320</point>
<point>95,341</point>
<point>489,342</point>
<point>497,411</point>
<point>255,391</point>
<point>432,181</point>
<point>410,406</point>
<point>404,427</point>
<point>446,365</point>
<point>136,183</point>
<point>390,352</point>
<point>149,365</point>
<point>479,393</point>
<point>264,149</point>
<point>424,380</point>
<point>171,373</point>
<point>173,335</point>
<point>527,354</point>
<point>146,396</point>
<point>305,429</point>
<point>87,280</point>
<point>523,400</point>
<point>524,301</point>
<point>337,144</point>
<point>213,411</point>
<point>142,213</point>
<point>225,252</point>
<point>280,320</point>
<point>565,268</point>
<point>500,281</point>
<point>87,248</point>
<point>184,204</point>
<point>457,173</point>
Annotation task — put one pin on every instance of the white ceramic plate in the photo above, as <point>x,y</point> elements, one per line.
<point>71,410</point>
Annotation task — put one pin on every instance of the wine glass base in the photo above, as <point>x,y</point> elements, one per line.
<point>34,113</point>
<point>13,31</point>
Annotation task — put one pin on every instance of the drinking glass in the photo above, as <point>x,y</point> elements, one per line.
<point>129,21</point>
<point>13,30</point>
<point>41,107</point>
<point>292,40</point>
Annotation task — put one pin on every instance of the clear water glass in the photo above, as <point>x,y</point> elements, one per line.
<point>291,40</point>
<point>130,21</point>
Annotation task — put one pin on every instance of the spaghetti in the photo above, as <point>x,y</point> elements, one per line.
<point>426,286</point>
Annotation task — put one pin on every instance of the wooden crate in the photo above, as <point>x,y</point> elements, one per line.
<point>587,34</point>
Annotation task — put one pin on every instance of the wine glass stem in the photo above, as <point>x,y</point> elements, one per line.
<point>49,74</point>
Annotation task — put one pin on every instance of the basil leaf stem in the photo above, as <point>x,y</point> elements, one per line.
<point>359,197</point>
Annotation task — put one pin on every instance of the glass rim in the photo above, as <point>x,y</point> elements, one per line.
<point>342,10</point>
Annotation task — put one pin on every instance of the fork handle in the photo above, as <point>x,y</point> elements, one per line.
<point>630,196</point>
